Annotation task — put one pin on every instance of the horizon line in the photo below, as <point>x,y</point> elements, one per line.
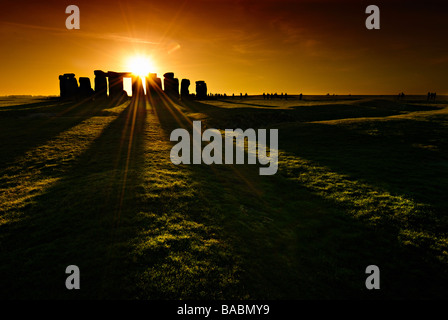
<point>257,94</point>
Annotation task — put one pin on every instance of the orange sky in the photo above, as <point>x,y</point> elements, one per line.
<point>314,47</point>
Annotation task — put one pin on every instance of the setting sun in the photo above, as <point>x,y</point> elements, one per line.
<point>140,65</point>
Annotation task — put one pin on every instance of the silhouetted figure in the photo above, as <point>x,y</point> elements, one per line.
<point>268,96</point>
<point>431,96</point>
<point>201,89</point>
<point>300,96</point>
<point>286,96</point>
<point>245,96</point>
<point>264,96</point>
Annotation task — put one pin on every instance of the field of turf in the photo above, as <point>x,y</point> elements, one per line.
<point>361,181</point>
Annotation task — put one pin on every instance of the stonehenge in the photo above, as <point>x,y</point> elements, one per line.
<point>184,91</point>
<point>137,88</point>
<point>116,89</point>
<point>171,85</point>
<point>110,85</point>
<point>68,86</point>
<point>100,84</point>
<point>153,85</point>
<point>85,88</point>
<point>201,89</point>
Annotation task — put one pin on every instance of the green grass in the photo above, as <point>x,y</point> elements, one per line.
<point>360,182</point>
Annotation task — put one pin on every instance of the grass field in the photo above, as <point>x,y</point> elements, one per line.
<point>361,181</point>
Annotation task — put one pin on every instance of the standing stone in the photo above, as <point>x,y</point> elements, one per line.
<point>68,85</point>
<point>116,88</point>
<point>176,88</point>
<point>85,88</point>
<point>72,85</point>
<point>137,88</point>
<point>62,86</point>
<point>171,85</point>
<point>184,91</point>
<point>100,84</point>
<point>158,82</point>
<point>153,85</point>
<point>201,89</point>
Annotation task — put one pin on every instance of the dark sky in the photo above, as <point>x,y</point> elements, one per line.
<point>314,47</point>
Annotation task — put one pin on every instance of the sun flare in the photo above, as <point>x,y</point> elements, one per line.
<point>140,65</point>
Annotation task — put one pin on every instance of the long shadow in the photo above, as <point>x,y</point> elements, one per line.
<point>246,103</point>
<point>389,162</point>
<point>296,244</point>
<point>75,221</point>
<point>88,218</point>
<point>393,157</point>
<point>329,252</point>
<point>260,118</point>
<point>169,115</point>
<point>401,138</point>
<point>41,104</point>
<point>22,131</point>
<point>290,242</point>
<point>221,281</point>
